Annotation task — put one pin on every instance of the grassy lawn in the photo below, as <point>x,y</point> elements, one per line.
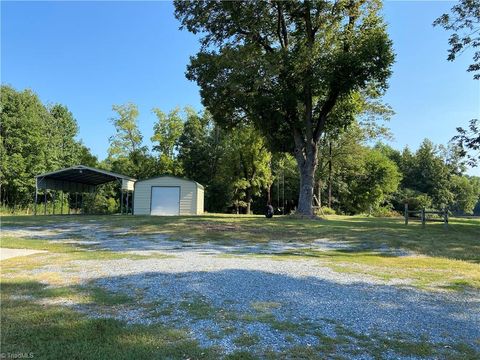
<point>447,258</point>
<point>35,318</point>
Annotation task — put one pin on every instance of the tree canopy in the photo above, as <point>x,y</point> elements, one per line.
<point>289,68</point>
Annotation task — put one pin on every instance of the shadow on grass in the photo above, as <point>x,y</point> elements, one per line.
<point>394,318</point>
<point>58,332</point>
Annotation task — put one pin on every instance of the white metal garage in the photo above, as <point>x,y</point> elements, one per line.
<point>168,195</point>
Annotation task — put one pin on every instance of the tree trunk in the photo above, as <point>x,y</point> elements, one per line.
<point>320,192</point>
<point>330,175</point>
<point>248,196</point>
<point>269,194</point>
<point>307,181</point>
<point>306,155</point>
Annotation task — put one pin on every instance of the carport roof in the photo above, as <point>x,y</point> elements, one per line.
<point>81,174</point>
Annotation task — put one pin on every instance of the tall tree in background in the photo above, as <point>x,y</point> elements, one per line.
<point>375,178</point>
<point>430,175</point>
<point>127,138</point>
<point>166,134</point>
<point>63,142</point>
<point>127,154</point>
<point>199,147</point>
<point>23,127</point>
<point>339,144</point>
<point>285,66</point>
<point>466,192</point>
<point>464,23</point>
<point>246,165</point>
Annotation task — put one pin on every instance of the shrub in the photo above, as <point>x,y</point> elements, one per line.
<point>385,211</point>
<point>325,211</point>
<point>415,200</point>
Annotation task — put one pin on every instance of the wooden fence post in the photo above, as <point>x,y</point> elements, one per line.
<point>445,217</point>
<point>423,217</point>
<point>406,213</point>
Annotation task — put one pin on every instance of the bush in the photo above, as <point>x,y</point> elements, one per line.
<point>100,204</point>
<point>325,211</point>
<point>415,200</point>
<point>385,211</point>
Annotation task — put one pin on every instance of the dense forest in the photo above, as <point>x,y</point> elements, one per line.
<point>357,172</point>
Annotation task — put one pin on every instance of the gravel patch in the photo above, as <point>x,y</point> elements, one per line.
<point>311,298</point>
<point>99,236</point>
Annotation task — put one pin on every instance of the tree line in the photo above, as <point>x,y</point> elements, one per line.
<point>239,171</point>
<point>35,138</point>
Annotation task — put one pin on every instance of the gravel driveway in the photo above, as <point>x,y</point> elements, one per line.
<point>219,293</point>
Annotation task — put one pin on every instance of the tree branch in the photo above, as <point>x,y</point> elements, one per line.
<point>257,38</point>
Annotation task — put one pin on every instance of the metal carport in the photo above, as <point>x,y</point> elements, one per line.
<point>81,179</point>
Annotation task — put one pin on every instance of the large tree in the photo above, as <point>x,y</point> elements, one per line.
<point>287,67</point>
<point>127,138</point>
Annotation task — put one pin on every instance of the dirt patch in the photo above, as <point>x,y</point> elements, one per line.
<point>10,253</point>
<point>217,227</point>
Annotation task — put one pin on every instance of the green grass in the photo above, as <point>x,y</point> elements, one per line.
<point>458,241</point>
<point>197,308</point>
<point>246,339</point>
<point>55,332</point>
<point>450,256</point>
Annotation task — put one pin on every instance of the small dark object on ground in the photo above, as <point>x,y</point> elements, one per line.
<point>269,212</point>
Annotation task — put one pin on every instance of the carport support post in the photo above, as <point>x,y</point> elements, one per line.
<point>121,201</point>
<point>36,198</point>
<point>61,206</point>
<point>406,213</point>
<point>126,207</point>
<point>76,203</point>
<point>53,203</point>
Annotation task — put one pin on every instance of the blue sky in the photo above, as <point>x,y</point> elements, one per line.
<point>90,55</point>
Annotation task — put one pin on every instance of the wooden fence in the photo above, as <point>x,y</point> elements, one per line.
<point>422,215</point>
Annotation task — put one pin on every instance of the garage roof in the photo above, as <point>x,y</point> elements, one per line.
<point>175,177</point>
<point>79,178</point>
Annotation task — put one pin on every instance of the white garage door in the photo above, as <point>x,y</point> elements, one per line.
<point>165,200</point>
